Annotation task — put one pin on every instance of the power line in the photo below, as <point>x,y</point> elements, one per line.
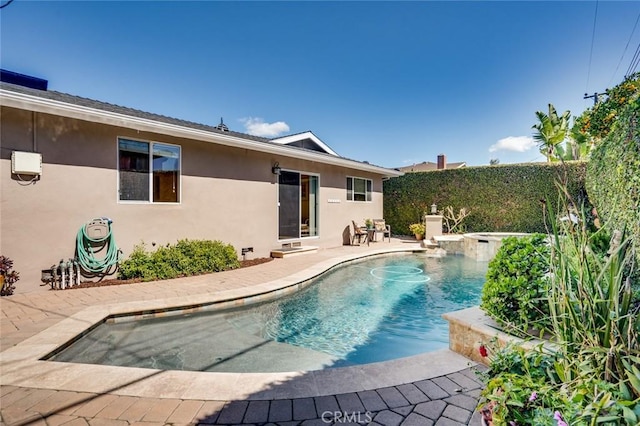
<point>593,36</point>
<point>634,62</point>
<point>625,50</point>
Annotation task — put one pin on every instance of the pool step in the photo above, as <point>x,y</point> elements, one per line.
<point>433,248</point>
<point>430,244</point>
<point>292,251</point>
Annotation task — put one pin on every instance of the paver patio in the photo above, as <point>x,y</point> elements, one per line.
<point>340,396</point>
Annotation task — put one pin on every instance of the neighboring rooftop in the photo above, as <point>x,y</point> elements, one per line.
<point>427,166</point>
<point>23,80</point>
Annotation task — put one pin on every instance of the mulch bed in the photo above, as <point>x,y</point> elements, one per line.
<point>89,284</point>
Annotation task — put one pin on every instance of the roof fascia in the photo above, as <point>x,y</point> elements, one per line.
<point>48,106</point>
<point>302,136</point>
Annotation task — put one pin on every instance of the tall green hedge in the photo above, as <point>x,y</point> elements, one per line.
<point>505,198</point>
<point>613,174</point>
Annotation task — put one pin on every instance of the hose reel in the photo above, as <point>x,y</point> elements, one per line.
<point>93,238</point>
<point>96,255</point>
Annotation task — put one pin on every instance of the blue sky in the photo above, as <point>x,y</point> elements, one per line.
<point>392,83</point>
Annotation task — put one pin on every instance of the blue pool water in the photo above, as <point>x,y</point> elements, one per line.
<point>373,310</point>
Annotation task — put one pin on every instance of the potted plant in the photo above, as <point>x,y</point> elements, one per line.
<point>417,229</point>
<point>8,276</point>
<point>368,223</point>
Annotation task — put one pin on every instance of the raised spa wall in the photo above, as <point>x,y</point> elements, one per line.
<point>479,246</point>
<point>470,328</point>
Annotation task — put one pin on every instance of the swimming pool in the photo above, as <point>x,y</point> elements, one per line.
<point>372,310</point>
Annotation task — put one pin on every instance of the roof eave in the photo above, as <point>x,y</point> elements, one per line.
<point>48,106</point>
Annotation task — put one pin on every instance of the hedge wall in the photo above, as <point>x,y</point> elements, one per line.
<point>613,174</point>
<point>505,198</point>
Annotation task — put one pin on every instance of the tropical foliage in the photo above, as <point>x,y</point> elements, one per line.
<point>557,139</point>
<point>591,376</point>
<point>551,131</point>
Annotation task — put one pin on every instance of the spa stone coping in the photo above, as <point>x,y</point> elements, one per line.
<point>21,365</point>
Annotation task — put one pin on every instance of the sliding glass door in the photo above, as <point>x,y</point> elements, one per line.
<point>297,205</point>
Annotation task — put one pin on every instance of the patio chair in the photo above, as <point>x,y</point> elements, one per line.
<point>382,228</point>
<point>359,232</point>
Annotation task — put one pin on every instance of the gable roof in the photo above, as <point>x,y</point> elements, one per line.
<point>62,104</point>
<point>305,140</point>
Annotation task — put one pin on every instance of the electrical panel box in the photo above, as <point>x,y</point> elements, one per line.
<point>26,163</point>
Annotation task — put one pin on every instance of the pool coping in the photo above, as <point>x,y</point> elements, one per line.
<point>21,365</point>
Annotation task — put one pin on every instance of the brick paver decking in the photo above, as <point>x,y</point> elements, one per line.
<point>446,400</point>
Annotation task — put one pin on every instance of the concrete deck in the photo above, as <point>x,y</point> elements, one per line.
<point>436,388</point>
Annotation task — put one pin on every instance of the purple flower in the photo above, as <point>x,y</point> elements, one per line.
<point>512,423</point>
<point>534,396</point>
<point>558,417</point>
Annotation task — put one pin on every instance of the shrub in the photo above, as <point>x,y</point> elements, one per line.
<point>9,276</point>
<point>503,198</point>
<point>187,257</point>
<point>515,292</point>
<point>613,175</point>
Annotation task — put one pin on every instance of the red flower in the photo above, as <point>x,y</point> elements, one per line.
<point>483,351</point>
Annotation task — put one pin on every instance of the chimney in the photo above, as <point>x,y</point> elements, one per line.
<point>442,161</point>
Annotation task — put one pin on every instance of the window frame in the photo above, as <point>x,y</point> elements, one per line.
<point>317,206</point>
<point>150,144</point>
<point>368,189</point>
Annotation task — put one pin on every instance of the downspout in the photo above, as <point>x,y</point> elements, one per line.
<point>35,136</point>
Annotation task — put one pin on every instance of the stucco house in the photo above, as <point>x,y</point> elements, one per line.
<point>160,179</point>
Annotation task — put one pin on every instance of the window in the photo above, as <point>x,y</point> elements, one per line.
<point>148,171</point>
<point>358,189</point>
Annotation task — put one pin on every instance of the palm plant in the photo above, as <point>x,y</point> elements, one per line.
<point>579,143</point>
<point>551,132</point>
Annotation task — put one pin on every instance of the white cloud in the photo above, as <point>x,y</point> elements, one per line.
<point>513,143</point>
<point>257,127</point>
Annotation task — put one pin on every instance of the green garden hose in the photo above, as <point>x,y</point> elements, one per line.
<point>87,248</point>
